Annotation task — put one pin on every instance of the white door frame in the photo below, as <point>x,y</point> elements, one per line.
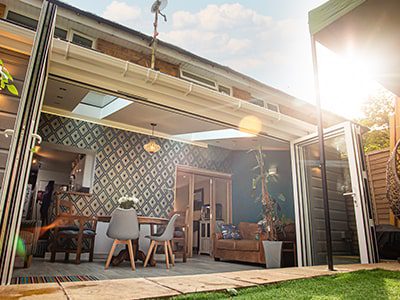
<point>366,239</point>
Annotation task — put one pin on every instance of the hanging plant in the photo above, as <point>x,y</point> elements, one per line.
<point>7,80</point>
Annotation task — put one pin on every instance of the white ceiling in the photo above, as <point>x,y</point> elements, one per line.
<point>66,96</point>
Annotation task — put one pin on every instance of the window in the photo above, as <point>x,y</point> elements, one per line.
<point>60,33</point>
<point>262,103</point>
<point>22,20</point>
<point>199,79</point>
<point>224,90</point>
<point>32,24</point>
<point>257,102</point>
<point>81,40</point>
<point>273,107</point>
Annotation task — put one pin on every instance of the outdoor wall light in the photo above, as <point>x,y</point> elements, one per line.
<point>152,146</point>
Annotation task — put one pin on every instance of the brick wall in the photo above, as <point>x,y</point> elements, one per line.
<point>241,94</point>
<point>136,57</point>
<point>2,10</point>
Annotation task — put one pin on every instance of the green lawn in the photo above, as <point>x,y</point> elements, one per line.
<point>365,285</point>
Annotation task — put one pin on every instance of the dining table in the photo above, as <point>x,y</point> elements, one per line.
<point>124,254</point>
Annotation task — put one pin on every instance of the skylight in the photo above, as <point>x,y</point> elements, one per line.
<point>214,135</point>
<point>99,106</point>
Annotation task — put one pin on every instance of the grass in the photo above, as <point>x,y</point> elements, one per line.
<point>372,284</point>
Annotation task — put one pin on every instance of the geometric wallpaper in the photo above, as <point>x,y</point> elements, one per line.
<point>123,167</point>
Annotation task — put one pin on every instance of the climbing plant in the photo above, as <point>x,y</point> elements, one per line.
<point>7,80</point>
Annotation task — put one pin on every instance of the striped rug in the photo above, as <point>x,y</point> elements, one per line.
<point>47,279</point>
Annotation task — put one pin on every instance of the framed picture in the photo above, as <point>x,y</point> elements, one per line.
<point>198,198</point>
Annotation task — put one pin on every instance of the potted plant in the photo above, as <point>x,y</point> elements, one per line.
<point>126,202</point>
<point>270,222</point>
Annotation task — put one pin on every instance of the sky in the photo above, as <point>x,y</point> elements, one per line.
<point>265,39</point>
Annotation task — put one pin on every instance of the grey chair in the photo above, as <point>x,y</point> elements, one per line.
<point>123,228</point>
<point>165,240</point>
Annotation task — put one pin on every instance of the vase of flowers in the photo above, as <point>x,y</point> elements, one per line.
<point>128,202</point>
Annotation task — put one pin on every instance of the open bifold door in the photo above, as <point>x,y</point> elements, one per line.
<point>23,138</point>
<point>351,215</point>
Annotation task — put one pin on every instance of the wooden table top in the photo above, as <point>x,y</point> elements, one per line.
<point>141,220</point>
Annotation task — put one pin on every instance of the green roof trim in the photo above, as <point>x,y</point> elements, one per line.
<point>329,12</point>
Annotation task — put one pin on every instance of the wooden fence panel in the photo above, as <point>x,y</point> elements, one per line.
<point>376,163</point>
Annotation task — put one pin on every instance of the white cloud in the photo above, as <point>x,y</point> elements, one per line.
<point>275,51</point>
<point>235,35</point>
<point>122,12</point>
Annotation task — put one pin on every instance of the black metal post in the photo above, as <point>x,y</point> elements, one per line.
<point>322,158</point>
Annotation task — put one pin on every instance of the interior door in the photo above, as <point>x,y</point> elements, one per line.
<point>23,138</point>
<point>221,204</point>
<point>184,201</point>
<point>352,228</point>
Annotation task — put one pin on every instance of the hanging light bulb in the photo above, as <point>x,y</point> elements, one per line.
<point>152,146</point>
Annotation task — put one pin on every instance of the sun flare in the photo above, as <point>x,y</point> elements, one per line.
<point>346,83</point>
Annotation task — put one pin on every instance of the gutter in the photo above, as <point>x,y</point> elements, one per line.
<point>122,71</point>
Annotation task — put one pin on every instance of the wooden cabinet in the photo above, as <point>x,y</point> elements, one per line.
<point>216,194</point>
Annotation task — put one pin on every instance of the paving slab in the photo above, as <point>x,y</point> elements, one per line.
<point>121,289</point>
<point>167,286</point>
<point>260,276</point>
<point>200,283</point>
<point>45,291</point>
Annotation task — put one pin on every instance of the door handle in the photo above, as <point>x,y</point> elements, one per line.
<point>349,194</point>
<point>37,137</point>
<point>352,194</point>
<point>8,132</point>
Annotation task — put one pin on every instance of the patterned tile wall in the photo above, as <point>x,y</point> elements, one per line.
<point>122,165</point>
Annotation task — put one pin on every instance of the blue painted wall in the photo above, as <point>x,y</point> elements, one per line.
<point>245,207</point>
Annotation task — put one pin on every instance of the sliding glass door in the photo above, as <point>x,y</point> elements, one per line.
<point>352,229</point>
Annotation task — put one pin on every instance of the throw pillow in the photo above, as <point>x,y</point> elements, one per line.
<point>230,232</point>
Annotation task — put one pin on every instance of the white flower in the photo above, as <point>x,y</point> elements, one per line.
<point>126,198</point>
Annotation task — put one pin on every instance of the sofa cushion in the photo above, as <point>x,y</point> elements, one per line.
<point>247,245</point>
<point>248,231</point>
<point>225,244</point>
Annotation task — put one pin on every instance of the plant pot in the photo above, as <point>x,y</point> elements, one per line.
<point>273,253</point>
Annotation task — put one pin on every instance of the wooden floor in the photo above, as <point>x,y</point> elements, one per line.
<point>196,265</point>
<point>167,286</point>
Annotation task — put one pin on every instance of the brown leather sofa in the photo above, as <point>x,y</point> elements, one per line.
<point>247,249</point>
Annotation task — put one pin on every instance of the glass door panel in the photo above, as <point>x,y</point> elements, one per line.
<point>221,200</point>
<point>184,183</point>
<point>352,228</point>
<point>341,207</point>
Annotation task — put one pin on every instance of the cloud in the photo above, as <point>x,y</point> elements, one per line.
<point>121,12</point>
<point>275,51</point>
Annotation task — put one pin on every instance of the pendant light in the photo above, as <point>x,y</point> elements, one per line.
<point>152,146</point>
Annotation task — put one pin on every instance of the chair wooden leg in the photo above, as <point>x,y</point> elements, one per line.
<point>166,254</point>
<point>110,255</point>
<point>53,250</point>
<point>78,250</point>
<point>149,253</point>
<point>131,256</point>
<point>53,256</point>
<point>171,254</point>
<point>91,254</point>
<point>28,261</point>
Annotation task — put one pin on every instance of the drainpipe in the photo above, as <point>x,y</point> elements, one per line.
<point>322,157</point>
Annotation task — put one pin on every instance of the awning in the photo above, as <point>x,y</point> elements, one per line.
<point>367,29</point>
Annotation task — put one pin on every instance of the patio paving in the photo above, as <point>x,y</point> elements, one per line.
<point>167,286</point>
<point>197,265</point>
